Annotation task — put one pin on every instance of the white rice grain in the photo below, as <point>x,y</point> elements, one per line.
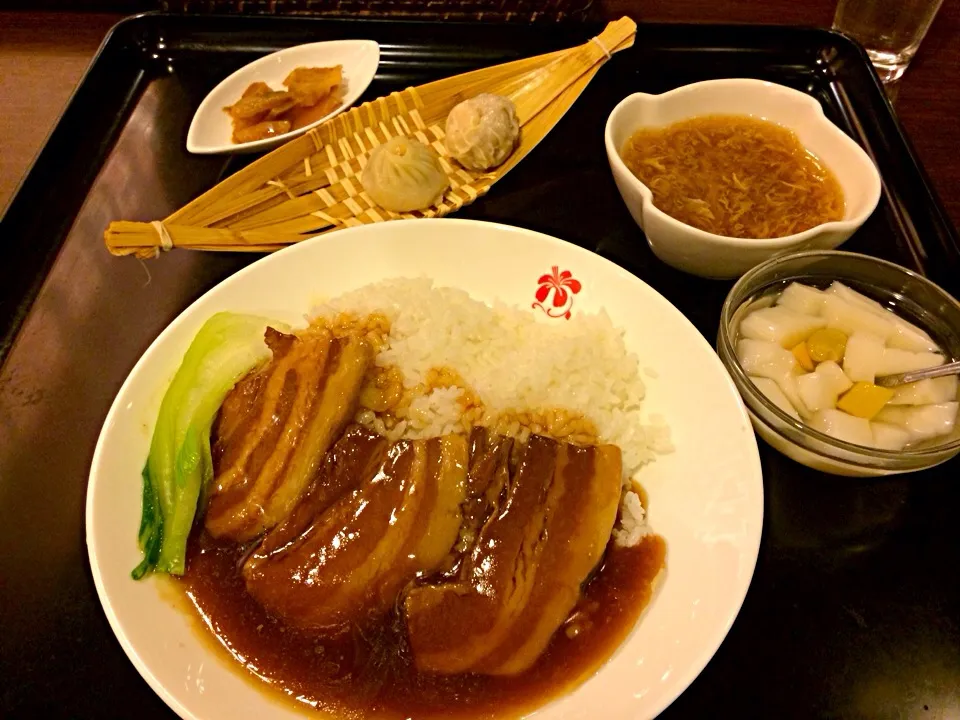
<point>514,362</point>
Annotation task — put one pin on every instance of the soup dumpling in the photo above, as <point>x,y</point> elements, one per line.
<point>403,175</point>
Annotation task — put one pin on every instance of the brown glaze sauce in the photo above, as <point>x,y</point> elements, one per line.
<point>369,671</point>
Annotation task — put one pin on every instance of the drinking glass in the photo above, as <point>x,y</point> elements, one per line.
<point>889,30</point>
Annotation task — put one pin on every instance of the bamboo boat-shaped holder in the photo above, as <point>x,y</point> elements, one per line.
<point>311,185</point>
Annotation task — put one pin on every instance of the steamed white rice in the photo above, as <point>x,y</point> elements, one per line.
<point>514,362</point>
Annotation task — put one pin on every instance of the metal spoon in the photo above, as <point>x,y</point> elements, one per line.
<point>950,368</point>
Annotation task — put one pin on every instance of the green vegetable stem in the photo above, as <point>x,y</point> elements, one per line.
<point>179,466</point>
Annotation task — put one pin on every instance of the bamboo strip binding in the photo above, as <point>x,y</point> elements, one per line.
<point>311,185</point>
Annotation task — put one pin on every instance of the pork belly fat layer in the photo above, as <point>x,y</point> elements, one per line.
<point>545,532</point>
<point>327,566</point>
<point>275,427</point>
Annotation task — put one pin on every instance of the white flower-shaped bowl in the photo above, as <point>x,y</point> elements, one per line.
<point>715,256</point>
<point>211,128</point>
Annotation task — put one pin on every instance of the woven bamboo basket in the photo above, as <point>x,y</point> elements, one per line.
<point>311,185</point>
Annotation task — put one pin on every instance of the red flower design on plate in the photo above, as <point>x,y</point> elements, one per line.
<point>563,286</point>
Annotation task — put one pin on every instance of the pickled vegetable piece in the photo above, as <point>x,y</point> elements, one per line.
<point>258,103</point>
<point>802,354</point>
<point>827,344</point>
<point>261,131</point>
<point>864,400</point>
<point>280,110</point>
<point>262,112</point>
<point>309,85</point>
<point>302,116</point>
<point>257,89</point>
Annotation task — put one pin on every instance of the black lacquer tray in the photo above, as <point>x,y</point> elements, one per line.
<point>854,610</point>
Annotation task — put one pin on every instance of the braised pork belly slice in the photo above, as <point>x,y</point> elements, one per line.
<point>328,565</point>
<point>544,534</point>
<point>355,456</point>
<point>488,475</point>
<point>276,425</point>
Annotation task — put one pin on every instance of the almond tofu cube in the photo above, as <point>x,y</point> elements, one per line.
<point>863,356</point>
<point>780,325</point>
<point>802,299</point>
<point>910,337</point>
<point>926,392</point>
<point>894,360</point>
<point>837,380</point>
<point>819,390</point>
<point>921,421</point>
<point>850,295</point>
<point>776,395</point>
<point>907,336</point>
<point>765,358</point>
<point>838,424</point>
<point>853,318</point>
<point>788,383</point>
<point>889,437</point>
<point>816,392</point>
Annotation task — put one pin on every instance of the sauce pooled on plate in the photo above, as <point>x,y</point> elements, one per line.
<point>369,669</point>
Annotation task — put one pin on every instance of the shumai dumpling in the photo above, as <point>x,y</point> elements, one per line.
<point>404,175</point>
<point>482,131</point>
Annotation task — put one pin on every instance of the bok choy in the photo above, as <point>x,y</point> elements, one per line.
<point>179,466</point>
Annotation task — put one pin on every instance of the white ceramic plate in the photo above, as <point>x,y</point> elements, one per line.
<point>706,499</point>
<point>210,129</point>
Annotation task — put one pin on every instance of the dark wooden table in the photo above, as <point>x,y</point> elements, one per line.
<point>877,666</point>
